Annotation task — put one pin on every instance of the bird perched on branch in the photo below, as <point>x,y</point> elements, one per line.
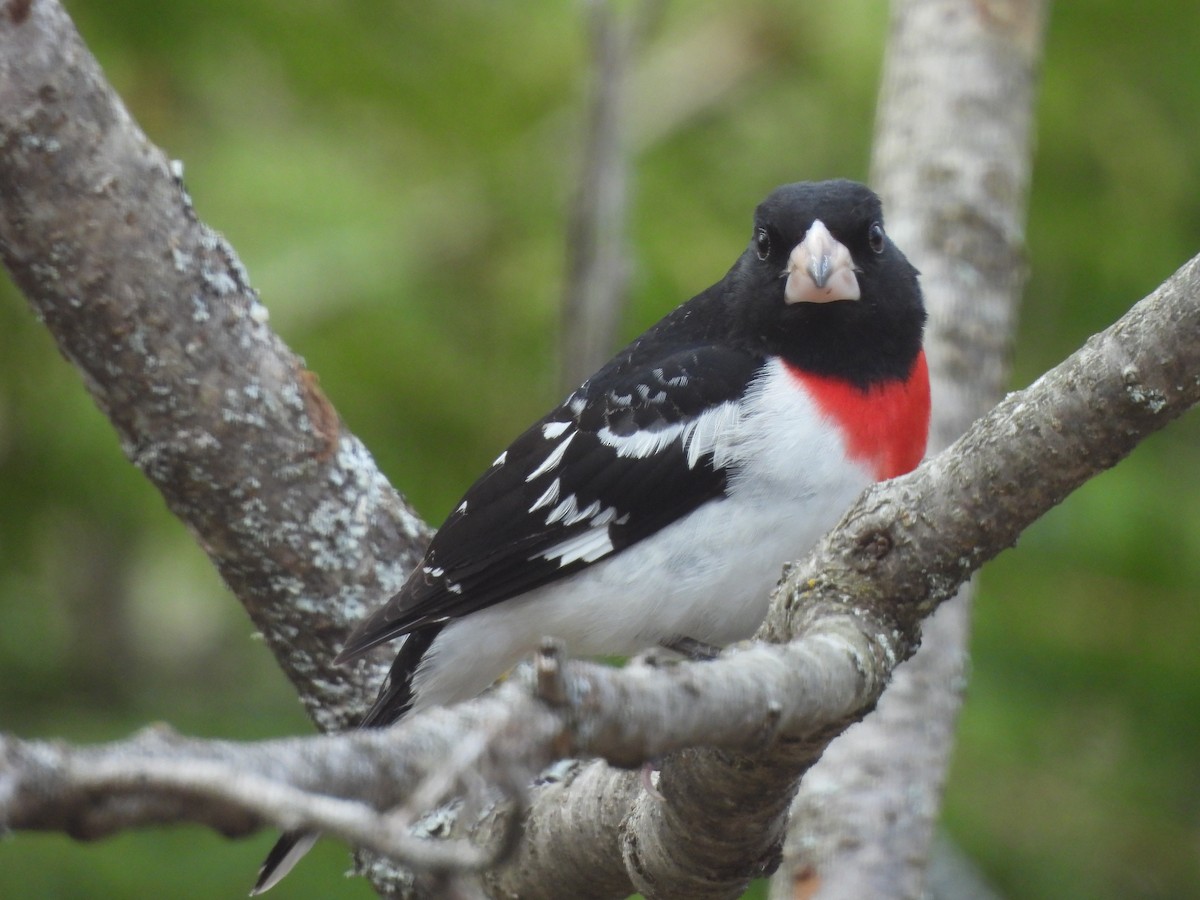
<point>658,503</point>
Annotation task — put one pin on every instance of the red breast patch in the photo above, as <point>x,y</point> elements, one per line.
<point>886,425</point>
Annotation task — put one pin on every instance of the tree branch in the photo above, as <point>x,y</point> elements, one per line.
<point>625,716</point>
<point>156,312</point>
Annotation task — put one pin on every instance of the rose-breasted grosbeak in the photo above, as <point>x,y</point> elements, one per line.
<point>658,502</point>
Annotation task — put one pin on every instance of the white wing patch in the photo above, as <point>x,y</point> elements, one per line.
<point>567,509</point>
<point>556,454</point>
<point>640,444</point>
<point>550,495</point>
<point>589,546</point>
<point>716,431</point>
<point>592,509</point>
<point>607,515</point>
<point>551,430</point>
<point>568,512</point>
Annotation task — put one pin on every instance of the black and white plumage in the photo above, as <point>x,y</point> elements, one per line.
<point>660,500</point>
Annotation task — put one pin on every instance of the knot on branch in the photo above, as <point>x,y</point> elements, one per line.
<point>873,545</point>
<point>1142,395</point>
<point>550,680</point>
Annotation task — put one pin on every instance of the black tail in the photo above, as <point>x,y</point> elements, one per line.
<point>396,694</point>
<point>288,850</point>
<point>394,700</point>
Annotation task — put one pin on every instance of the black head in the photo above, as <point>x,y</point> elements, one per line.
<point>822,284</point>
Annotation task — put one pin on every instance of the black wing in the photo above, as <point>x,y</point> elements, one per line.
<point>607,468</point>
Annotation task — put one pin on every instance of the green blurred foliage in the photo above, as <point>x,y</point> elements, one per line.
<point>395,177</point>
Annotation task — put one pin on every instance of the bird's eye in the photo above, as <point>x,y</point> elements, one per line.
<point>875,237</point>
<point>762,243</point>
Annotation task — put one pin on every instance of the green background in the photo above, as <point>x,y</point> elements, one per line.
<point>395,177</point>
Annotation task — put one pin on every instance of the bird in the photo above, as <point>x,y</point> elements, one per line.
<point>658,503</point>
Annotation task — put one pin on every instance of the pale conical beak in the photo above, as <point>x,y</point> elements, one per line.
<point>820,269</point>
